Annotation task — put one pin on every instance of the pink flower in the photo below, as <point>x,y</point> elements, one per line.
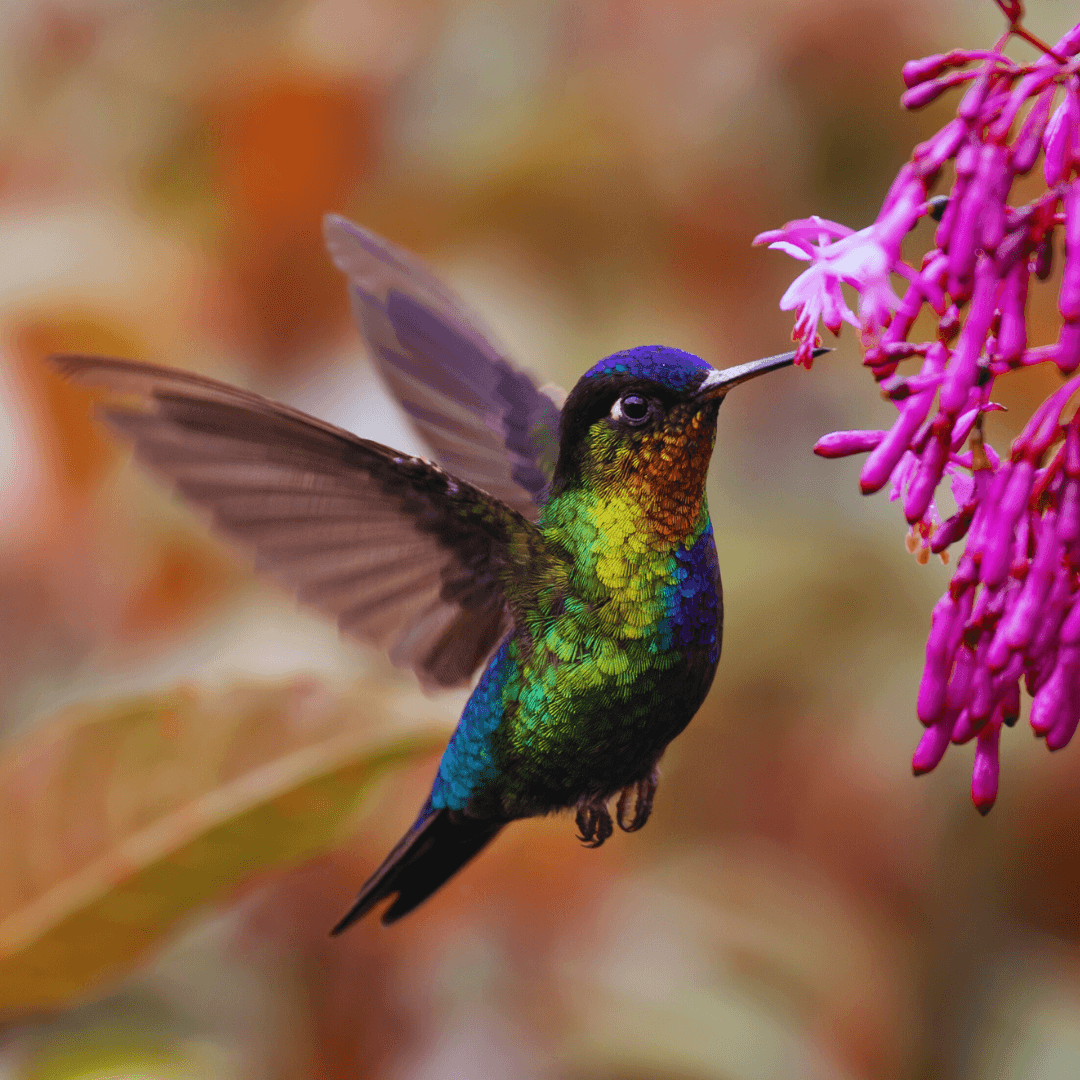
<point>1011,615</point>
<point>836,255</point>
<point>1061,140</point>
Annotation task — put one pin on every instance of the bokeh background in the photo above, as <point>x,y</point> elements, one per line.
<point>196,776</point>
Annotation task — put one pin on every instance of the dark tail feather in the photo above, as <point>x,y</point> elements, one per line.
<point>433,850</point>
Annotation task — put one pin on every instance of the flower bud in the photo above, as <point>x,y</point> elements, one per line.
<point>1069,296</point>
<point>971,104</point>
<point>1067,353</point>
<point>925,92</point>
<point>946,629</point>
<point>1028,143</point>
<point>931,748</point>
<point>1054,707</point>
<point>980,700</point>
<point>955,528</point>
<point>1012,334</point>
<point>838,444</point>
<point>961,372</point>
<point>1069,520</point>
<point>1018,627</point>
<point>915,72</point>
<point>933,153</point>
<point>913,410</point>
<point>1059,736</point>
<point>996,175</point>
<point>998,547</point>
<point>986,770</point>
<point>1051,617</point>
<point>927,477</point>
<point>1059,139</point>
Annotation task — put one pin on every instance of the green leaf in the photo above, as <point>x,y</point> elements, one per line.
<point>119,820</point>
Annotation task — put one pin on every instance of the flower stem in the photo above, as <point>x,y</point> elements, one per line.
<point>1013,10</point>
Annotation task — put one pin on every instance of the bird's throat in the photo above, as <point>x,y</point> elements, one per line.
<point>665,479</point>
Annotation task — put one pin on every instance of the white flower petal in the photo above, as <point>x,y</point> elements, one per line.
<point>789,249</point>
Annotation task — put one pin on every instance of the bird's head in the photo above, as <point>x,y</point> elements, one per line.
<point>645,420</point>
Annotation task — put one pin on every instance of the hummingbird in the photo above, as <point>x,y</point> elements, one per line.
<point>565,550</point>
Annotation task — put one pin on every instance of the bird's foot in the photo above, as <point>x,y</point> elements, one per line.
<point>635,802</point>
<point>593,820</point>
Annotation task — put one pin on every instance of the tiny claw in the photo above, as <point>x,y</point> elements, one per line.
<point>642,793</point>
<point>593,820</point>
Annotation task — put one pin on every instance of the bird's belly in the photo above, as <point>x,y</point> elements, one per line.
<point>610,682</point>
<point>584,702</point>
<point>598,724</point>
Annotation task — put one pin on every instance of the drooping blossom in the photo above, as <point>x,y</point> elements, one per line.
<point>1011,614</point>
<point>861,259</point>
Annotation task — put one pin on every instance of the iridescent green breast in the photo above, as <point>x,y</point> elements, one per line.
<point>614,646</point>
<point>603,671</point>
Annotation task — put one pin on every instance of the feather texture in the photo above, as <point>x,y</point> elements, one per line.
<point>438,845</point>
<point>402,554</point>
<point>485,420</point>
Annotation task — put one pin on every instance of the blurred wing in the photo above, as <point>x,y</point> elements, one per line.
<point>402,554</point>
<point>487,422</point>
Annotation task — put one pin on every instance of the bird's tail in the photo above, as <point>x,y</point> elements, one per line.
<point>439,844</point>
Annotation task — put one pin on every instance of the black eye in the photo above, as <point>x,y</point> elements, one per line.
<point>632,408</point>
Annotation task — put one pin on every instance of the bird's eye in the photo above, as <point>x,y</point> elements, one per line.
<point>632,408</point>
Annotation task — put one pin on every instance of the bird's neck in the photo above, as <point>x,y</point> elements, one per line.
<point>655,489</point>
<point>665,480</point>
<point>624,574</point>
<point>583,522</point>
<point>626,525</point>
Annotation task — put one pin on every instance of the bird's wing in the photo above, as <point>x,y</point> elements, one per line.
<point>486,421</point>
<point>402,554</point>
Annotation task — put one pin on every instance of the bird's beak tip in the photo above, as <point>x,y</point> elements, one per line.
<point>720,380</point>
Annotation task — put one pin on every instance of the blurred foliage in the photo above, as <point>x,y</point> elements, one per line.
<point>118,821</point>
<point>589,175</point>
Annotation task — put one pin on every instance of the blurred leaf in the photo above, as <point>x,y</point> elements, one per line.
<point>117,821</point>
<point>115,1054</point>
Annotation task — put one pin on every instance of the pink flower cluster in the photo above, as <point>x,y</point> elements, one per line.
<point>1012,610</point>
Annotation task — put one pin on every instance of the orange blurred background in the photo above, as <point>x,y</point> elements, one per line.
<point>590,176</point>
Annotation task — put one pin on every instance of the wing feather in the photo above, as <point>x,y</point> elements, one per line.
<point>483,418</point>
<point>402,554</point>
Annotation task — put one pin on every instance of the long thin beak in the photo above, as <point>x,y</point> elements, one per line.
<point>718,382</point>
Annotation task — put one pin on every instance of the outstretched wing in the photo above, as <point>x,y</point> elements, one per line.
<point>402,554</point>
<point>487,422</point>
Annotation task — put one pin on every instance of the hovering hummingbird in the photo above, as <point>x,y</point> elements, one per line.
<point>566,549</point>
